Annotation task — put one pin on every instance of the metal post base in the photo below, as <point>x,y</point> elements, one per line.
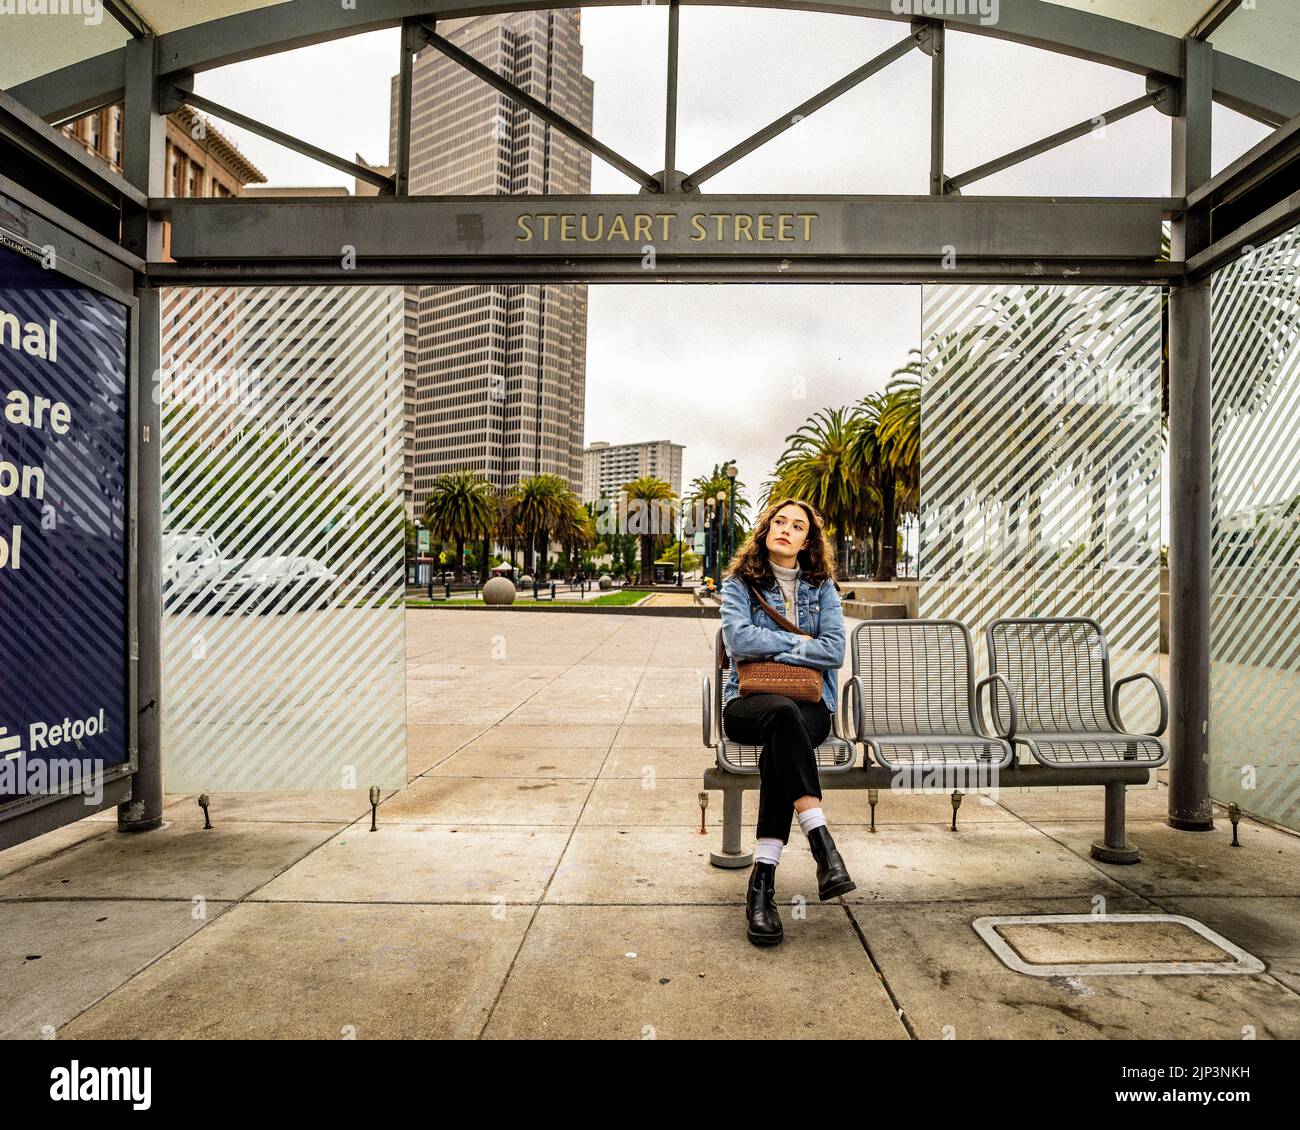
<point>1126,854</point>
<point>1114,847</point>
<point>1190,825</point>
<point>731,855</point>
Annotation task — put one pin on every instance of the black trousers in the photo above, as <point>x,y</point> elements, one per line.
<point>789,732</point>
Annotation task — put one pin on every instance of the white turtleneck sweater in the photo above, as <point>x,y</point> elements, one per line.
<point>788,578</point>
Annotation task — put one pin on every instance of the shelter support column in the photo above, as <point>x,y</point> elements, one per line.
<point>1190,466</point>
<point>144,140</point>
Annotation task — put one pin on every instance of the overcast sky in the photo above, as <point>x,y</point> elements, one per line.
<point>664,361</point>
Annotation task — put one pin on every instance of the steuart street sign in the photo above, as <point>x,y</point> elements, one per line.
<point>543,237</point>
<point>730,228</point>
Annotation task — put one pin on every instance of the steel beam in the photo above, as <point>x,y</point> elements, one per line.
<point>68,158</point>
<point>259,230</point>
<point>1283,216</point>
<point>144,138</point>
<point>1209,23</point>
<point>670,178</point>
<point>1190,439</point>
<point>101,262</point>
<point>816,102</point>
<point>1255,91</point>
<point>1269,157</point>
<point>1070,133</point>
<point>129,18</point>
<point>179,94</point>
<point>263,31</point>
<point>405,80</point>
<point>668,268</point>
<point>938,86</point>
<point>539,108</point>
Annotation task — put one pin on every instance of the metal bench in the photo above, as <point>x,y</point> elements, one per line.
<point>915,703</point>
<point>737,764</point>
<point>1058,671</point>
<point>916,710</point>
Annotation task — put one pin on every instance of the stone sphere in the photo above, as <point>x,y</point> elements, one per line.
<point>605,580</point>
<point>499,590</point>
<point>525,582</point>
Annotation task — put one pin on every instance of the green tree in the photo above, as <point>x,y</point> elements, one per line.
<point>460,506</point>
<point>648,514</point>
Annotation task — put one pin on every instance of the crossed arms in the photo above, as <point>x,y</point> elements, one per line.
<point>745,640</point>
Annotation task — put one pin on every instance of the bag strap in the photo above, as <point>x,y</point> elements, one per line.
<point>789,627</point>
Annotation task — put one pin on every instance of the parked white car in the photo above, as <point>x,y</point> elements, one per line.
<point>192,565</point>
<point>277,584</point>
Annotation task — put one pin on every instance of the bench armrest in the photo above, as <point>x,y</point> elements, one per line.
<point>851,733</point>
<point>1160,692</point>
<point>1011,704</point>
<point>706,701</point>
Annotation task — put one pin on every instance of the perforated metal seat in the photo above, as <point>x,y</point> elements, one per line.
<point>834,755</point>
<point>913,700</point>
<point>1058,671</point>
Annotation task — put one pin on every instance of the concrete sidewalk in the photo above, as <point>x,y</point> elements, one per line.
<point>543,874</point>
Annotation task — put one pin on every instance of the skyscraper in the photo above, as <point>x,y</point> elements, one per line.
<point>500,370</point>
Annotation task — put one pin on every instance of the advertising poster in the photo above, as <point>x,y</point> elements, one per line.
<point>63,512</point>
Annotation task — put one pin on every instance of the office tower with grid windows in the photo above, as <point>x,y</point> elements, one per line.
<point>500,370</point>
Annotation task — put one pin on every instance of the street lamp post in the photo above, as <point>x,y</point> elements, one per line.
<point>681,522</point>
<point>708,535</point>
<point>731,511</point>
<point>717,538</point>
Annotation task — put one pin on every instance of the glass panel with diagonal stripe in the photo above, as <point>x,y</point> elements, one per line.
<point>1041,457</point>
<point>1255,532</point>
<point>283,638</point>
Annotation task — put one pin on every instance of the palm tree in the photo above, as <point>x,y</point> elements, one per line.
<point>864,466</point>
<point>898,435</point>
<point>461,505</point>
<point>654,519</point>
<point>574,529</point>
<point>538,502</point>
<point>818,465</point>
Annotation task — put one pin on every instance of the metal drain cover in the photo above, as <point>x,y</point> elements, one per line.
<point>1108,945</point>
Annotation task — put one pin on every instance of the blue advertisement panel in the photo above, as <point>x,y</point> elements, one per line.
<point>63,498</point>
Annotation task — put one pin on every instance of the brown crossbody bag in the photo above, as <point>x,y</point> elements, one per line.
<point>766,676</point>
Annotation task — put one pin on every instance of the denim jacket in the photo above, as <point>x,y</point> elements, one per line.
<point>750,633</point>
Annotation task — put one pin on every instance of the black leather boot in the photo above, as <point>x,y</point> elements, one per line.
<point>760,906</point>
<point>832,876</point>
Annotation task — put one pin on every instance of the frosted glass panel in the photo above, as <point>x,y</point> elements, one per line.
<point>283,637</point>
<point>1041,463</point>
<point>1255,533</point>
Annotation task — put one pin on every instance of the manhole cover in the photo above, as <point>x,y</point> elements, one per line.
<point>1055,945</point>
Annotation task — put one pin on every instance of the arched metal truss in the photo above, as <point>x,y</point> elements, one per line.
<point>81,87</point>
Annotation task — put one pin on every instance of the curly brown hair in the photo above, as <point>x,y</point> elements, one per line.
<point>816,558</point>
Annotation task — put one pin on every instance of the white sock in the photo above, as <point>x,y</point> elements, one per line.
<point>811,818</point>
<point>767,851</point>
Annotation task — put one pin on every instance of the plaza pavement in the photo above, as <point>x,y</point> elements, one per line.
<point>543,874</point>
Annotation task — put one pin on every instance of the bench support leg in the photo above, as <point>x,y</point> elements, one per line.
<point>731,855</point>
<point>1115,848</point>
